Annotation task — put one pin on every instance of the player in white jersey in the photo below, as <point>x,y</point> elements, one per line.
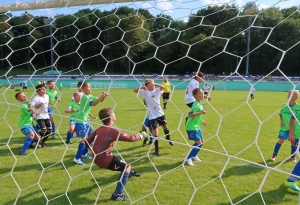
<point>189,98</point>
<point>206,89</point>
<point>252,93</point>
<point>156,114</point>
<point>40,103</point>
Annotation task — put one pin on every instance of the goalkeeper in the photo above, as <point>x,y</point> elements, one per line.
<point>103,140</point>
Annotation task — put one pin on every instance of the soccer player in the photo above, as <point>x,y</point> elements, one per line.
<point>25,123</point>
<point>41,102</point>
<point>79,84</point>
<point>103,139</point>
<point>189,98</point>
<point>192,126</point>
<point>294,136</point>
<point>72,109</point>
<point>82,125</point>
<point>167,91</point>
<point>206,88</point>
<point>252,93</point>
<point>285,117</point>
<point>24,85</point>
<point>60,85</point>
<point>156,114</point>
<point>53,97</point>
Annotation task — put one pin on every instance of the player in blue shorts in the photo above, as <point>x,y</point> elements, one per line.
<point>82,125</point>
<point>192,126</point>
<point>285,117</point>
<point>25,123</point>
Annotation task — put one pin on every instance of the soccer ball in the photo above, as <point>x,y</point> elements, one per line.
<point>250,8</point>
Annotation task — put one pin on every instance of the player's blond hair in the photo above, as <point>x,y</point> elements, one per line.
<point>292,92</point>
<point>148,80</point>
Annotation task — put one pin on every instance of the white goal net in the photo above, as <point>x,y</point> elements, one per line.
<point>124,42</point>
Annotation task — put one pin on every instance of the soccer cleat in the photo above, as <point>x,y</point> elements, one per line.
<point>196,159</point>
<point>170,141</point>
<point>67,142</point>
<point>134,173</point>
<point>292,185</point>
<point>78,161</point>
<point>273,157</point>
<point>157,153</point>
<point>87,156</point>
<point>22,153</point>
<point>119,197</point>
<point>145,141</point>
<point>293,159</point>
<point>189,162</point>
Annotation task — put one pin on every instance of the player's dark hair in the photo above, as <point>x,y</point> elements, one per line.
<point>79,84</point>
<point>39,86</point>
<point>50,81</point>
<point>196,90</point>
<point>17,95</point>
<point>104,115</point>
<point>200,75</point>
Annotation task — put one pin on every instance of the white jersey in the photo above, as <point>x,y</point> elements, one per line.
<point>252,91</point>
<point>189,98</point>
<point>206,88</point>
<point>37,100</point>
<point>152,99</point>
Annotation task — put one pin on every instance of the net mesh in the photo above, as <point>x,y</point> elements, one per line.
<point>92,41</point>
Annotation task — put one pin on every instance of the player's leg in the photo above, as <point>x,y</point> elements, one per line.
<point>124,168</point>
<point>154,131</point>
<point>291,181</point>
<point>51,114</point>
<point>163,122</point>
<point>293,148</point>
<point>80,132</point>
<point>164,100</point>
<point>70,131</point>
<point>85,150</point>
<point>283,135</point>
<point>29,132</point>
<point>47,133</point>
<point>198,141</point>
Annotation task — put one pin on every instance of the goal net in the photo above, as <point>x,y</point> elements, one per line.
<point>249,46</point>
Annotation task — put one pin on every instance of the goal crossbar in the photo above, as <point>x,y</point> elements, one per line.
<point>19,5</point>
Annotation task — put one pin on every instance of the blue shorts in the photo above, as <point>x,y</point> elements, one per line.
<point>26,130</point>
<point>50,111</point>
<point>195,135</point>
<point>284,135</point>
<point>83,130</point>
<point>72,122</point>
<point>147,123</point>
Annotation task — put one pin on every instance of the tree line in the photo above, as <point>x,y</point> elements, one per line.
<point>214,38</point>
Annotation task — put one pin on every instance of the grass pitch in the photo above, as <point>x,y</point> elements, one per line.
<point>235,167</point>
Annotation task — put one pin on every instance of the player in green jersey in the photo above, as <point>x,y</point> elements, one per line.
<point>294,136</point>
<point>82,125</point>
<point>72,109</point>
<point>25,123</point>
<point>285,117</point>
<point>192,126</point>
<point>53,97</point>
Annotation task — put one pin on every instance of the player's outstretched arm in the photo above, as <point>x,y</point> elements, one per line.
<point>100,99</point>
<point>130,138</point>
<point>136,90</point>
<point>161,87</point>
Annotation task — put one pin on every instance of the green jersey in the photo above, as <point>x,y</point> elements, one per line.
<point>53,95</point>
<point>85,108</point>
<point>71,106</point>
<point>286,114</point>
<point>296,111</point>
<point>193,123</point>
<point>26,118</point>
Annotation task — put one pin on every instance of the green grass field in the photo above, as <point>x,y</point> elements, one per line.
<point>235,167</point>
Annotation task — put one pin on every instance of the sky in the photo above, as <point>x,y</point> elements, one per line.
<point>177,9</point>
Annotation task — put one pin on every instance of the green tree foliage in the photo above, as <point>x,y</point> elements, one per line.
<point>214,38</point>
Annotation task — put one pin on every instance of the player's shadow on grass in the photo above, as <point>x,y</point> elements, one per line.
<point>77,196</point>
<point>241,170</point>
<point>275,196</point>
